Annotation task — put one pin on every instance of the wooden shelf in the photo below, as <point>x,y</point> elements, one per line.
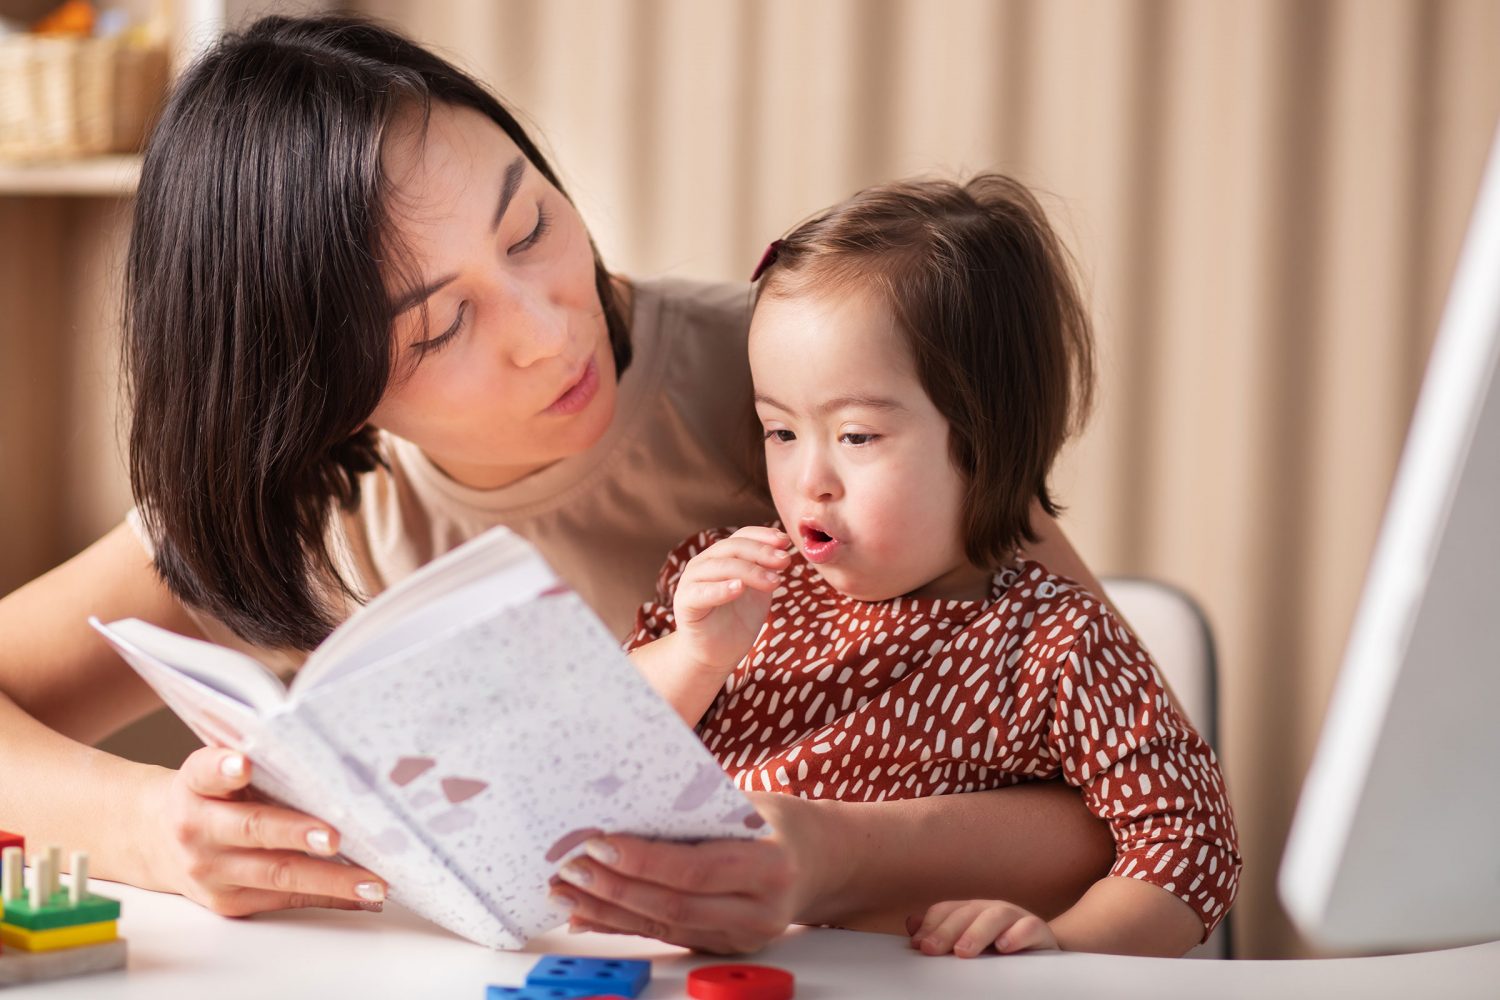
<point>98,176</point>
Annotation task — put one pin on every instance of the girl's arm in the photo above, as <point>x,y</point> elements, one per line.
<point>62,688</point>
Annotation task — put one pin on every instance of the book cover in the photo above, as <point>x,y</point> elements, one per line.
<point>465,733</point>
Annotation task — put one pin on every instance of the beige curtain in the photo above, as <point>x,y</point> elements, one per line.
<point>1267,199</point>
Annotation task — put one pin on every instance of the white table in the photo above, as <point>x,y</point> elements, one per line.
<point>178,949</point>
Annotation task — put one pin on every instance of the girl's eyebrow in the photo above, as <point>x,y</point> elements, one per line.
<point>838,403</point>
<point>510,181</point>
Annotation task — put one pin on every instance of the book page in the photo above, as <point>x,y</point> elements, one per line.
<point>165,658</point>
<point>503,745</point>
<point>490,571</point>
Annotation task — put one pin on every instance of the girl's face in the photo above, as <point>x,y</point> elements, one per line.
<point>856,452</point>
<point>513,368</point>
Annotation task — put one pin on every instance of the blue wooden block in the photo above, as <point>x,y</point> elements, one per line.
<point>534,993</point>
<point>623,976</point>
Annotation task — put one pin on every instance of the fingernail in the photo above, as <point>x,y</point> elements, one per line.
<point>601,852</point>
<point>320,841</point>
<point>575,929</point>
<point>233,766</point>
<point>373,891</point>
<point>575,873</point>
<point>566,902</point>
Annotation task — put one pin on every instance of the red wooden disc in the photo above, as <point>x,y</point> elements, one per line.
<point>740,982</point>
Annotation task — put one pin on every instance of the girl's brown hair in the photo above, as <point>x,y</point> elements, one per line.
<point>257,328</point>
<point>985,293</point>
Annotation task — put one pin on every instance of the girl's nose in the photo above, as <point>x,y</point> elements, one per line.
<point>819,480</point>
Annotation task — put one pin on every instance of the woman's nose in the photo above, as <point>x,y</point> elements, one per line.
<point>540,332</point>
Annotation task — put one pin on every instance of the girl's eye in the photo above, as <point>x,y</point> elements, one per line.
<point>442,340</point>
<point>780,434</point>
<point>543,223</point>
<point>857,439</point>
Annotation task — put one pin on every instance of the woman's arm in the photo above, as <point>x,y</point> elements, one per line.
<point>860,865</point>
<point>62,688</point>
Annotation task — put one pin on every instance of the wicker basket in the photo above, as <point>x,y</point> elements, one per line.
<point>72,97</point>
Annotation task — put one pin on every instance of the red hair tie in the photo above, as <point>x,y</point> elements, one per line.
<point>766,260</point>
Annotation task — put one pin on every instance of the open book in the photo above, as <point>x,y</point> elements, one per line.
<point>464,732</point>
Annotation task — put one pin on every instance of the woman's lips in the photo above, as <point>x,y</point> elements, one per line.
<point>817,545</point>
<point>579,394</point>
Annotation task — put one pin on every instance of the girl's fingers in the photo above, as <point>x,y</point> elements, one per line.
<point>920,926</point>
<point>260,824</point>
<point>293,874</point>
<point>774,537</point>
<point>721,568</point>
<point>751,551</point>
<point>985,929</point>
<point>1030,933</point>
<point>941,938</point>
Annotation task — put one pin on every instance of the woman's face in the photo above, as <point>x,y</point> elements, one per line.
<point>512,368</point>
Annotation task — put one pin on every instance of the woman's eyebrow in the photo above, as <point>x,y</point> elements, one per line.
<point>513,174</point>
<point>509,183</point>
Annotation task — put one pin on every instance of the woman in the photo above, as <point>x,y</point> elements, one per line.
<point>363,324</point>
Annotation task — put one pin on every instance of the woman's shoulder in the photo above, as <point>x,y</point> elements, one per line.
<point>677,308</point>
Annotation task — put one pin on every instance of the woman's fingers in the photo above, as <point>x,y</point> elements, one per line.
<point>727,897</point>
<point>216,773</point>
<point>292,873</point>
<point>743,867</point>
<point>260,824</point>
<point>731,937</point>
<point>247,902</point>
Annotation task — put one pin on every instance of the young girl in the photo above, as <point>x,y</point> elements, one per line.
<point>919,355</point>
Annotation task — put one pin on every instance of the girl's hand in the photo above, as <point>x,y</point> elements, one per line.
<point>725,897</point>
<point>724,593</point>
<point>968,927</point>
<point>236,856</point>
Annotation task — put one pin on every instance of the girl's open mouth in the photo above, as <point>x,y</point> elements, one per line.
<point>817,545</point>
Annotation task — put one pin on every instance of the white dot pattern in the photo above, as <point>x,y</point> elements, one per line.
<point>843,699</point>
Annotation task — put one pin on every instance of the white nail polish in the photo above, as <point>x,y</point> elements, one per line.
<point>319,842</point>
<point>232,766</point>
<point>566,902</point>
<point>601,852</point>
<point>575,873</point>
<point>372,891</point>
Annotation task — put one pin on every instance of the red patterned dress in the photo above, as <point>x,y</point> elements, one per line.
<point>844,699</point>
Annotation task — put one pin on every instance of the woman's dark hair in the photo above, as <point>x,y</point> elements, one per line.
<point>258,339</point>
<point>984,292</point>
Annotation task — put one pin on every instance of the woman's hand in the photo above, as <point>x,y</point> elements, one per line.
<point>720,896</point>
<point>236,856</point>
<point>721,601</point>
<point>968,927</point>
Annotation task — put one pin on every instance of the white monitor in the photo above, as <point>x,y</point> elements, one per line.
<point>1396,839</point>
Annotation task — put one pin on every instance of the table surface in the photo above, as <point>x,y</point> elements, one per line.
<point>178,949</point>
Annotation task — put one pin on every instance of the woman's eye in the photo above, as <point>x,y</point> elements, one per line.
<point>857,439</point>
<point>780,434</point>
<point>543,223</point>
<point>426,347</point>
